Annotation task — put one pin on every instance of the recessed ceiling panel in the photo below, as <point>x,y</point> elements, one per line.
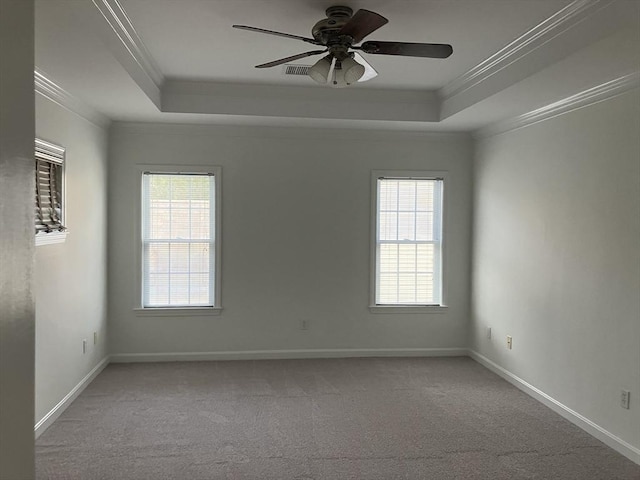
<point>202,69</point>
<point>193,39</point>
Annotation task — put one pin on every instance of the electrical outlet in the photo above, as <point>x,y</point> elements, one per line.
<point>489,333</point>
<point>624,399</point>
<point>84,346</point>
<point>95,338</point>
<point>304,324</point>
<point>509,342</point>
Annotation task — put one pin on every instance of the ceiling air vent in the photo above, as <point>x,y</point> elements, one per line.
<point>296,69</point>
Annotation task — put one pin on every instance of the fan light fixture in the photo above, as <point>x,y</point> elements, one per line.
<point>343,73</point>
<point>337,79</point>
<point>369,71</point>
<point>320,70</point>
<point>339,34</point>
<point>352,70</point>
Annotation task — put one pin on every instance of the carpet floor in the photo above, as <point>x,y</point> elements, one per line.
<point>391,418</point>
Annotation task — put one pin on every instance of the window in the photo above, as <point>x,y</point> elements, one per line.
<point>49,208</point>
<point>408,239</point>
<point>180,240</point>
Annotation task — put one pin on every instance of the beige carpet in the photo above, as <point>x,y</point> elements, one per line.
<point>395,418</point>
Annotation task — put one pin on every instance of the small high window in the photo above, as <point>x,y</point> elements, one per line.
<point>49,209</point>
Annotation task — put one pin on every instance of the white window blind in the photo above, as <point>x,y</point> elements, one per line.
<point>178,236</point>
<point>49,213</point>
<point>408,241</point>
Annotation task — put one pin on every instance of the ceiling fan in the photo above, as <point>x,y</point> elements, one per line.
<point>339,33</point>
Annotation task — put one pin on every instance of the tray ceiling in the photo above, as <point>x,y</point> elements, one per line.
<point>167,60</point>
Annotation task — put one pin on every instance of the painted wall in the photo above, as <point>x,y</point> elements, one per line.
<point>16,240</point>
<point>70,277</point>
<point>556,258</point>
<point>295,238</point>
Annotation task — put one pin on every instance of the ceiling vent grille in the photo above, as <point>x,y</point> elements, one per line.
<point>296,69</point>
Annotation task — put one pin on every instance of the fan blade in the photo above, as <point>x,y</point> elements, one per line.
<point>369,71</point>
<point>428,50</point>
<point>290,59</point>
<point>362,24</point>
<point>279,34</point>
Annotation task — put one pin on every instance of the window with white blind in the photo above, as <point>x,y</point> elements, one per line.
<point>408,239</point>
<point>49,194</point>
<point>180,240</point>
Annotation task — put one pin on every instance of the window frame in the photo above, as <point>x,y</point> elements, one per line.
<point>178,311</point>
<point>408,175</point>
<point>52,153</point>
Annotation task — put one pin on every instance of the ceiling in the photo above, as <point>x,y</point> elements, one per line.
<point>180,60</point>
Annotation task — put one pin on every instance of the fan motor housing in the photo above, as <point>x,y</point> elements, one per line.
<point>326,29</point>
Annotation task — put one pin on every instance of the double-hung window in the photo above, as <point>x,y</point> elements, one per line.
<point>180,240</point>
<point>408,238</point>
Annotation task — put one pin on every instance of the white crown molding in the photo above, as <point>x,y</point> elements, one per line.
<point>582,99</point>
<point>592,428</point>
<point>121,25</point>
<point>542,33</point>
<point>54,92</point>
<point>114,26</point>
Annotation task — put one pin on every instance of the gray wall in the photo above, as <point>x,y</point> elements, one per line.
<point>556,264</point>
<point>70,277</point>
<point>295,239</point>
<point>16,240</point>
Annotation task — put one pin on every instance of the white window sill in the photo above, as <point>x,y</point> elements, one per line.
<point>408,308</point>
<point>177,312</point>
<point>50,238</point>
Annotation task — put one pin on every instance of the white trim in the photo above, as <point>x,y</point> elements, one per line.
<point>415,309</point>
<point>416,174</point>
<point>63,404</point>
<point>54,92</point>
<point>564,19</point>
<point>178,312</point>
<point>574,417</point>
<point>287,354</point>
<point>121,25</point>
<point>50,238</point>
<point>582,99</point>
<point>50,151</point>
<point>214,170</point>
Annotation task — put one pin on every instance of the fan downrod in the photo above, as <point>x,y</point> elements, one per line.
<point>339,11</point>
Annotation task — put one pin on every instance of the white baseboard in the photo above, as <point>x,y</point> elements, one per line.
<point>56,411</point>
<point>574,417</point>
<point>288,354</point>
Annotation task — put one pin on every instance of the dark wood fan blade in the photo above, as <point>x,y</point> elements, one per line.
<point>428,50</point>
<point>362,24</point>
<point>290,59</point>
<point>279,34</point>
